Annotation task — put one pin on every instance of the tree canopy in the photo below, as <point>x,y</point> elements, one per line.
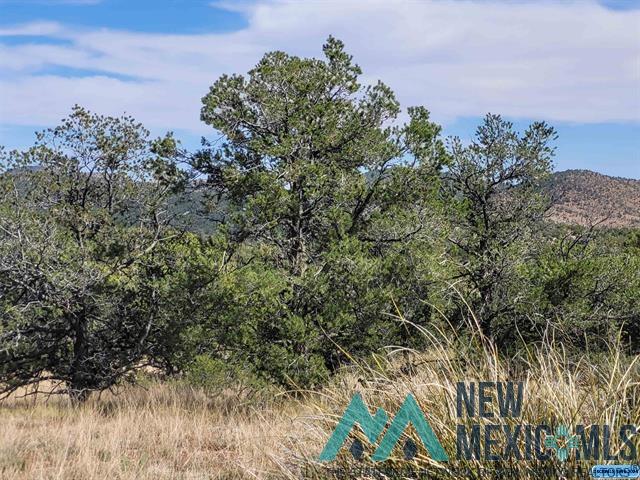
<point>340,227</point>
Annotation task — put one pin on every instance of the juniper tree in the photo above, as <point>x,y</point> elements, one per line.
<point>81,213</point>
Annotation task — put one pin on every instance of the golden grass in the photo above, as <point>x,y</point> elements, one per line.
<point>165,431</point>
<point>172,431</point>
<point>557,390</point>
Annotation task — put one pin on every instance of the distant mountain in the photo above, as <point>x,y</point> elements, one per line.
<point>579,197</point>
<point>584,197</point>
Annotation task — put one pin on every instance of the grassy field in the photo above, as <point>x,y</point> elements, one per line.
<point>173,431</point>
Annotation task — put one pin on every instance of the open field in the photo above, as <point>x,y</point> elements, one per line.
<point>173,431</point>
<point>161,432</point>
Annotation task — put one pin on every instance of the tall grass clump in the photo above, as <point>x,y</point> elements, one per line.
<point>560,388</point>
<point>171,430</point>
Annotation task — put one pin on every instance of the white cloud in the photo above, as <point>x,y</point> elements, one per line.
<point>34,28</point>
<point>570,61</point>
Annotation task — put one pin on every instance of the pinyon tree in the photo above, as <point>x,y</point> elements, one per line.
<point>326,193</point>
<point>494,190</point>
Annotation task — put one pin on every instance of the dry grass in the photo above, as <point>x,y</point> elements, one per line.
<point>558,389</point>
<point>169,431</point>
<point>164,432</point>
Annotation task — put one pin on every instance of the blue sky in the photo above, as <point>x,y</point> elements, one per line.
<point>575,64</point>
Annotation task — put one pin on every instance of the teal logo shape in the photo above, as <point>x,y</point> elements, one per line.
<point>373,425</point>
<point>561,442</point>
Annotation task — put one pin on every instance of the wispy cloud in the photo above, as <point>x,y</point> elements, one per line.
<point>32,29</point>
<point>570,61</point>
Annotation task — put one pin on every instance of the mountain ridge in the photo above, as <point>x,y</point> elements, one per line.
<point>585,197</point>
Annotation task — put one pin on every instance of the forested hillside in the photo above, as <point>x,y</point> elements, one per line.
<point>583,197</point>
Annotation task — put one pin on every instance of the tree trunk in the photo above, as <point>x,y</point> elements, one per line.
<point>298,233</point>
<point>78,391</point>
